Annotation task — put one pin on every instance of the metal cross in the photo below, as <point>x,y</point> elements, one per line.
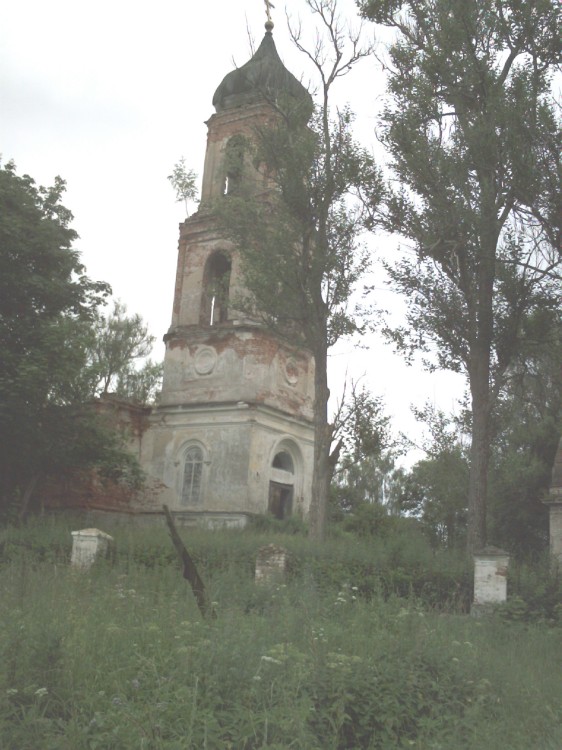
<point>268,6</point>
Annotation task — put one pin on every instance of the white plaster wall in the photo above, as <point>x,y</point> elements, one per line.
<point>271,433</point>
<point>239,443</point>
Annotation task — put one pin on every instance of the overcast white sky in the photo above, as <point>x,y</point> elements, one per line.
<point>109,95</point>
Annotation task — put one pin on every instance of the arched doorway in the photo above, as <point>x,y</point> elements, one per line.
<point>281,485</point>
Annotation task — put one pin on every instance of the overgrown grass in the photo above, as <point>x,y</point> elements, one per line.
<point>119,657</point>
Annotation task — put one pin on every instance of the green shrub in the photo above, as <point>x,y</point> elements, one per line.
<point>534,592</point>
<point>515,608</point>
<point>268,524</point>
<point>45,539</point>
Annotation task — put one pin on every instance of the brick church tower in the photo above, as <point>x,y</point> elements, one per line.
<point>232,434</point>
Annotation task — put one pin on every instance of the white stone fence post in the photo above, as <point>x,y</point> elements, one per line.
<point>490,579</point>
<point>554,506</point>
<point>271,564</point>
<point>87,546</point>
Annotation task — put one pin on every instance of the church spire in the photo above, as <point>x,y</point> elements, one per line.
<point>269,23</point>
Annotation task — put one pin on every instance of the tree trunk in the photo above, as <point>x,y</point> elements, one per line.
<point>322,441</point>
<point>479,378</point>
<point>478,485</point>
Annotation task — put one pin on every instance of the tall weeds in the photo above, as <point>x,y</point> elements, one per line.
<point>339,657</point>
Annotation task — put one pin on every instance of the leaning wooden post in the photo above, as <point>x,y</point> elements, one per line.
<point>190,572</point>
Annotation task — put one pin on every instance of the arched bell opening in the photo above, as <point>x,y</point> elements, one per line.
<point>216,288</point>
<point>233,169</point>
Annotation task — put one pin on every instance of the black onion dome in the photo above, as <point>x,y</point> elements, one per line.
<point>262,77</point>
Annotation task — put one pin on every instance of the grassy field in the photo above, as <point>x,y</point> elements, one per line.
<point>349,653</point>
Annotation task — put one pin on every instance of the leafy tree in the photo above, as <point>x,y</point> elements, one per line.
<point>528,425</point>
<point>300,252</point>
<point>111,346</point>
<point>45,298</point>
<point>140,385</point>
<point>436,488</point>
<point>474,141</point>
<point>365,451</point>
<point>183,181</point>
<point>436,491</point>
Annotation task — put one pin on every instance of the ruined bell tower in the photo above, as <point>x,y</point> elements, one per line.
<point>232,434</point>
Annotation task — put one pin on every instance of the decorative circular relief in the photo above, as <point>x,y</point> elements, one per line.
<point>291,371</point>
<point>205,361</point>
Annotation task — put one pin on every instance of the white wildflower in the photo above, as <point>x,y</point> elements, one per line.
<point>271,660</point>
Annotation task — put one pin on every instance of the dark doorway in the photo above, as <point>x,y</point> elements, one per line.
<point>280,500</point>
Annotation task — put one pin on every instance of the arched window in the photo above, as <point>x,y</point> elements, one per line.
<point>192,476</point>
<point>283,460</point>
<point>234,163</point>
<point>216,284</point>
